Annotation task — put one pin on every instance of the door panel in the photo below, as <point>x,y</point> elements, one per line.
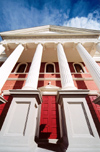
<point>49,122</point>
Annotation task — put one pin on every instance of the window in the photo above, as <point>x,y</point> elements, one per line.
<point>21,68</point>
<point>78,68</point>
<point>50,67</point>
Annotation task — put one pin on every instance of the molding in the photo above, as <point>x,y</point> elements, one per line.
<point>53,92</point>
<point>51,79</point>
<point>97,100</point>
<point>50,36</point>
<point>51,73</point>
<point>71,93</point>
<point>49,89</point>
<point>51,28</point>
<point>94,92</point>
<point>2,100</point>
<point>27,93</point>
<point>43,41</point>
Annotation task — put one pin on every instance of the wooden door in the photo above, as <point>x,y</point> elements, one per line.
<point>49,122</point>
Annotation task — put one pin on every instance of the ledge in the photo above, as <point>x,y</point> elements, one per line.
<point>2,100</point>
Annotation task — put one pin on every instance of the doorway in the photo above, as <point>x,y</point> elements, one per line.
<point>49,121</point>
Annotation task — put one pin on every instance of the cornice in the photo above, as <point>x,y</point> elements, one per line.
<point>54,28</point>
<point>50,36</point>
<point>73,29</point>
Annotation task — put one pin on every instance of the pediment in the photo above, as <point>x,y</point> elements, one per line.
<point>50,88</point>
<point>50,30</point>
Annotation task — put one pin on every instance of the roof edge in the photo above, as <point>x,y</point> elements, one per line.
<point>50,28</point>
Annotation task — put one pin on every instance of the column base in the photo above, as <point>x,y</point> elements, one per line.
<point>28,88</point>
<point>69,88</point>
<point>78,147</point>
<point>22,122</point>
<point>19,146</point>
<point>78,129</point>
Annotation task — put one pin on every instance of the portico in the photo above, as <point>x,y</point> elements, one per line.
<point>39,48</point>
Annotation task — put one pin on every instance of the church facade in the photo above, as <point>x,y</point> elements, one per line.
<point>50,90</point>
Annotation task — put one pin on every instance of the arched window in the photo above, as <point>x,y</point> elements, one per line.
<point>78,68</point>
<point>21,68</point>
<point>50,67</point>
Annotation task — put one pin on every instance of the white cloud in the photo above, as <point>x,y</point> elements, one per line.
<point>24,17</point>
<point>92,21</point>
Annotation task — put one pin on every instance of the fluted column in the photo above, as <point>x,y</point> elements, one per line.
<point>92,66</point>
<point>66,78</point>
<point>8,65</point>
<point>32,79</point>
<point>98,47</point>
<point>2,48</point>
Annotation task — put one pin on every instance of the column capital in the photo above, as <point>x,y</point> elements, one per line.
<point>60,43</point>
<point>40,44</point>
<point>78,43</point>
<point>98,43</point>
<point>1,45</point>
<point>98,47</point>
<point>2,48</point>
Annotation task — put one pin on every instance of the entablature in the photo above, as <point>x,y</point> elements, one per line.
<point>50,48</point>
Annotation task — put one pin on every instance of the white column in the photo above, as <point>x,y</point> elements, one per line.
<point>66,78</point>
<point>8,65</point>
<point>32,79</point>
<point>92,66</point>
<point>2,48</point>
<point>98,47</point>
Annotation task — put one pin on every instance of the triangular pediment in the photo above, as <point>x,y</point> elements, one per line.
<point>50,30</point>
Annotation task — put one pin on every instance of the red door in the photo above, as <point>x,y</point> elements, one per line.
<point>49,122</point>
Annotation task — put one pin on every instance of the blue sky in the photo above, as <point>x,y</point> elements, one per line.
<point>18,14</point>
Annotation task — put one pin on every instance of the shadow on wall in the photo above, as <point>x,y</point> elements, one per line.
<point>80,84</point>
<point>4,109</point>
<point>62,143</point>
<point>19,84</point>
<point>94,111</point>
<point>44,135</point>
<point>41,83</point>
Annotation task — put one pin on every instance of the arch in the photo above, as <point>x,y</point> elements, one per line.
<point>78,67</point>
<point>50,68</point>
<point>21,68</point>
